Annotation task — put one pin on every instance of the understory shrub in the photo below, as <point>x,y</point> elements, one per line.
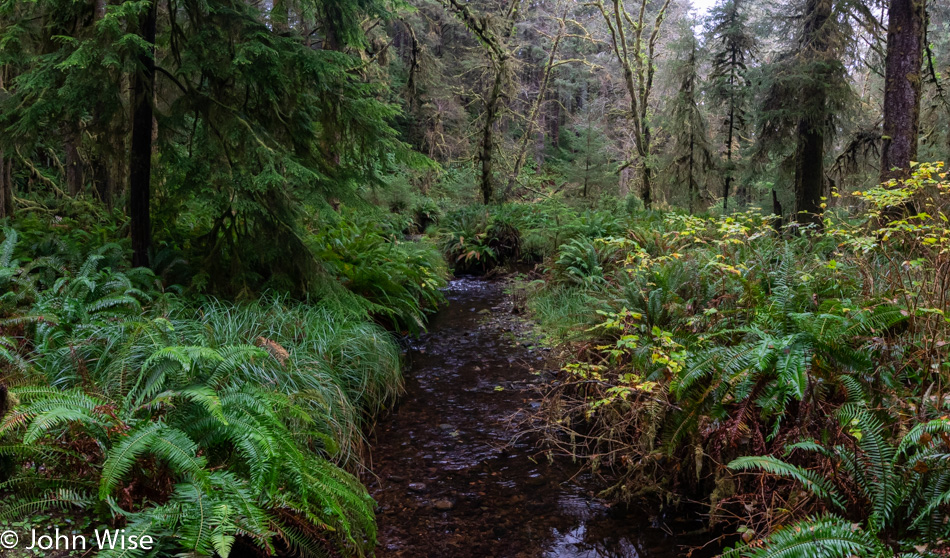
<point>692,341</point>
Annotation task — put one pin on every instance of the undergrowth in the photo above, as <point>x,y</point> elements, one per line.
<point>206,424</point>
<point>697,347</point>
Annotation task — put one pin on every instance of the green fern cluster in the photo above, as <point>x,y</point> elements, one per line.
<point>400,278</point>
<point>904,489</point>
<point>225,449</point>
<point>199,422</point>
<point>784,355</point>
<point>477,239</point>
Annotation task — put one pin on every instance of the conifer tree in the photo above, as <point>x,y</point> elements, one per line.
<point>254,125</point>
<point>691,154</point>
<point>906,32</point>
<point>806,91</point>
<point>734,45</point>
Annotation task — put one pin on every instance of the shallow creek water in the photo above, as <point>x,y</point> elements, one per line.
<point>448,479</point>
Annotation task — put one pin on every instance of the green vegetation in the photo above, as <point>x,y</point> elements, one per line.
<point>196,420</point>
<point>719,344</point>
<point>219,217</point>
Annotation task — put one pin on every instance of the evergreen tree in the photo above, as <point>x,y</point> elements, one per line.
<point>691,154</point>
<point>256,128</point>
<point>906,33</point>
<point>806,89</point>
<point>729,84</point>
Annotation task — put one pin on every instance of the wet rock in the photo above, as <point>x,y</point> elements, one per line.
<point>446,426</point>
<point>535,480</point>
<point>443,505</point>
<point>417,486</point>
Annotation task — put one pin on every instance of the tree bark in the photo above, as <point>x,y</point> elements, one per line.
<point>6,187</point>
<point>646,187</point>
<point>531,121</point>
<point>104,183</point>
<point>280,16</point>
<point>810,148</point>
<point>728,182</point>
<point>485,155</point>
<point>777,211</point>
<point>140,168</point>
<point>498,54</point>
<point>535,109</point>
<point>74,174</point>
<point>906,27</point>
<point>732,121</point>
<point>809,173</point>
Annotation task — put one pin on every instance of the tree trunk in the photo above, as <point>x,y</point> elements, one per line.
<point>777,210</point>
<point>809,173</point>
<point>906,28</point>
<point>280,16</point>
<point>729,139</point>
<point>810,149</point>
<point>485,155</point>
<point>692,183</point>
<point>646,193</point>
<point>587,157</point>
<point>533,113</point>
<point>732,124</point>
<point>104,184</point>
<point>6,187</point>
<point>140,168</point>
<point>74,174</point>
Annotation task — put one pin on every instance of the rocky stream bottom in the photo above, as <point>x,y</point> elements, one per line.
<point>448,477</point>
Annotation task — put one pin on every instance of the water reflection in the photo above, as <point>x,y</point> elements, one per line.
<point>445,477</point>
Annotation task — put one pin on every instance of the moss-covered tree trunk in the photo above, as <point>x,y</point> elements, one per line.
<point>6,173</point>
<point>494,40</point>
<point>809,171</point>
<point>906,27</point>
<point>74,170</point>
<point>486,180</point>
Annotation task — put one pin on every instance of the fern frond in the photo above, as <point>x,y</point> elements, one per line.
<point>810,480</point>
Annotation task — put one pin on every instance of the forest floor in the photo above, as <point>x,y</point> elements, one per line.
<point>451,475</point>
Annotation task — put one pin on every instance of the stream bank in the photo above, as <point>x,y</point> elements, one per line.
<point>447,477</point>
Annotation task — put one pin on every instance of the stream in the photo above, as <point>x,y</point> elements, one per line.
<point>446,475</point>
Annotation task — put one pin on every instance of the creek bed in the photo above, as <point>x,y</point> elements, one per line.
<point>447,477</point>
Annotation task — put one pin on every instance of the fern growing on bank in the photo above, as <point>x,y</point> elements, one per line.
<point>203,423</point>
<point>905,489</point>
<point>230,464</point>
